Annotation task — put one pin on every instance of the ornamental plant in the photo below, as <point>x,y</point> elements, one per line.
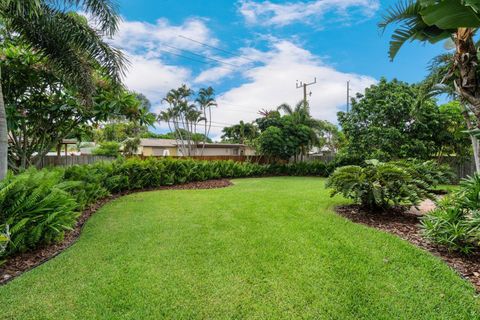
<point>377,186</point>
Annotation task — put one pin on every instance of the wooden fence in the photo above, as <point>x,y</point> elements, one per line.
<point>462,169</point>
<point>65,161</point>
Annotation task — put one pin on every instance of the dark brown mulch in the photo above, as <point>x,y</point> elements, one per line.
<point>405,224</point>
<point>23,262</point>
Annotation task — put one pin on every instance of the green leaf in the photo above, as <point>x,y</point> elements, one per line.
<point>450,14</point>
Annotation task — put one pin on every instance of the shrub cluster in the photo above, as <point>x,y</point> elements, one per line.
<point>379,185</point>
<point>35,207</point>
<point>38,207</point>
<point>455,222</point>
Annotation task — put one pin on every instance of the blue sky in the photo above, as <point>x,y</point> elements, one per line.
<point>265,46</point>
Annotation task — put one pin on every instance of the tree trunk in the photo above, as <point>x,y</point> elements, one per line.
<point>3,135</point>
<point>473,138</point>
<point>466,61</point>
<point>467,85</point>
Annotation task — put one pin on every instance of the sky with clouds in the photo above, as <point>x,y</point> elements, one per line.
<point>253,51</point>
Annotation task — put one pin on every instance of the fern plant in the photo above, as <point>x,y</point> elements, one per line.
<point>36,207</point>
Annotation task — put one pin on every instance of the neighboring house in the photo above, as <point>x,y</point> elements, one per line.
<point>323,151</point>
<point>225,149</point>
<point>157,147</point>
<point>170,147</point>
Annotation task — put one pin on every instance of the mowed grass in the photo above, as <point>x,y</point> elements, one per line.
<point>263,249</point>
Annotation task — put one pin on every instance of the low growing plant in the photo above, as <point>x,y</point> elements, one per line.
<point>36,207</point>
<point>378,185</point>
<point>455,222</point>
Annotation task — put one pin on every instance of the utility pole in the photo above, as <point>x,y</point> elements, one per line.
<point>348,95</point>
<point>303,85</point>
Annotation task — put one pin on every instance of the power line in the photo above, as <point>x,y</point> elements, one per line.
<point>216,48</point>
<point>202,56</point>
<point>189,58</point>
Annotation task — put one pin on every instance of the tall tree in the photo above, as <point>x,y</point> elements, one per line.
<point>433,21</point>
<point>240,133</point>
<point>186,114</point>
<point>396,120</point>
<point>72,47</point>
<point>439,82</point>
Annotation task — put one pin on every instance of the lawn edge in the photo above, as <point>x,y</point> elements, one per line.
<point>406,226</point>
<point>18,264</point>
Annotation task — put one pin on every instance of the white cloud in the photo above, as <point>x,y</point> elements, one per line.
<point>154,78</point>
<point>273,83</point>
<point>137,36</point>
<point>272,14</point>
<point>269,76</point>
<point>147,47</point>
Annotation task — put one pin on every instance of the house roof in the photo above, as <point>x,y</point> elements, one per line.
<point>173,143</point>
<point>222,145</point>
<point>158,143</point>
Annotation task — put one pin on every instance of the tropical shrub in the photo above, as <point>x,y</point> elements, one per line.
<point>455,222</point>
<point>378,185</point>
<point>91,182</point>
<point>36,208</point>
<point>313,168</point>
<point>429,171</point>
<point>108,148</point>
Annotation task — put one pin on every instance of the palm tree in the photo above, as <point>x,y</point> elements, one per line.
<point>440,82</point>
<point>301,116</point>
<point>206,100</point>
<point>432,21</point>
<point>72,47</point>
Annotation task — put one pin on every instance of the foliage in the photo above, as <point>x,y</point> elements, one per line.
<point>429,171</point>
<point>109,148</point>
<point>42,110</point>
<point>36,208</point>
<point>173,135</point>
<point>456,220</point>
<point>395,120</point>
<point>312,168</point>
<point>428,21</point>
<point>71,47</point>
<point>294,133</point>
<point>186,114</point>
<point>240,133</point>
<point>285,140</point>
<point>378,185</point>
<point>91,182</point>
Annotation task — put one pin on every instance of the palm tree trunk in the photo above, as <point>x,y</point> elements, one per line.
<point>467,85</point>
<point>466,61</point>
<point>473,138</point>
<point>3,135</point>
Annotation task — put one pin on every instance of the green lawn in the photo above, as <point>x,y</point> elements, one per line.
<point>262,249</point>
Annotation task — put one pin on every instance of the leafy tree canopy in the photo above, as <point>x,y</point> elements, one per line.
<point>394,120</point>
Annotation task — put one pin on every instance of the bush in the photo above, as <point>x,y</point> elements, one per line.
<point>109,148</point>
<point>455,222</point>
<point>378,185</point>
<point>428,171</point>
<point>35,208</point>
<point>313,168</point>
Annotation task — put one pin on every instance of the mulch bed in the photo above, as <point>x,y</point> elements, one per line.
<point>23,262</point>
<point>405,224</point>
